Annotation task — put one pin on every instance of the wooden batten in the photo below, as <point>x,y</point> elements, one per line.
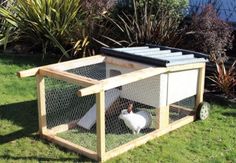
<point>185,67</point>
<point>63,127</point>
<point>125,63</point>
<point>163,117</point>
<point>68,77</point>
<point>64,65</point>
<point>182,109</point>
<point>134,76</point>
<point>41,104</point>
<point>121,80</point>
<point>100,124</point>
<point>71,146</point>
<point>200,87</point>
<point>142,140</point>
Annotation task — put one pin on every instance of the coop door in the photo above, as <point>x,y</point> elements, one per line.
<point>182,85</point>
<point>151,91</point>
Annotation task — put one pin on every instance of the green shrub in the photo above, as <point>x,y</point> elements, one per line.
<point>95,23</point>
<point>54,24</point>
<point>153,21</point>
<point>6,30</point>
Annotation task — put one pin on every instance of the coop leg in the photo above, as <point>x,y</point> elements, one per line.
<point>41,104</point>
<point>200,87</point>
<point>100,125</point>
<point>162,117</point>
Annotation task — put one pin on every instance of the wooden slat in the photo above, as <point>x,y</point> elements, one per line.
<point>120,80</point>
<point>71,146</point>
<point>142,140</point>
<point>182,109</point>
<point>64,65</point>
<point>163,117</point>
<point>185,67</point>
<point>200,87</point>
<point>100,125</point>
<point>125,63</point>
<point>127,78</point>
<point>63,127</point>
<point>68,77</point>
<point>41,104</point>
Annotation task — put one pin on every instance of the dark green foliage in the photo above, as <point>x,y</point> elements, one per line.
<point>54,24</point>
<point>152,21</point>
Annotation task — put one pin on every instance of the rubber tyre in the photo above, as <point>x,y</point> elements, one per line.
<point>203,111</point>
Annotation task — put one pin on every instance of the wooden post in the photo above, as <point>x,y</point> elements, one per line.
<point>163,117</point>
<point>200,87</point>
<point>41,104</point>
<point>100,125</point>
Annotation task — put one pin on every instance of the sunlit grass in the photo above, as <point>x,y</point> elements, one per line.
<point>213,140</point>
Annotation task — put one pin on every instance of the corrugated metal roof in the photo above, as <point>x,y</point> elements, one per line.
<point>155,55</point>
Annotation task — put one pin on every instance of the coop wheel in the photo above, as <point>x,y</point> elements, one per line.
<point>203,110</point>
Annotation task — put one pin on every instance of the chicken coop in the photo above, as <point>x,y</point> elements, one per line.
<point>104,105</point>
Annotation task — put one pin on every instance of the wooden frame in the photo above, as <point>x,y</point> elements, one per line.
<point>64,65</point>
<point>163,117</point>
<point>100,125</point>
<point>92,86</point>
<point>123,79</point>
<point>41,104</point>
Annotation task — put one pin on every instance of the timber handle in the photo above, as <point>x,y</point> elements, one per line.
<point>121,80</point>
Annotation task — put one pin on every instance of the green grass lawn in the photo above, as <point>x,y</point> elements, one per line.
<point>213,140</point>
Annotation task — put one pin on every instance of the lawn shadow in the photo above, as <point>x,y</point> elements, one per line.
<point>34,61</point>
<point>45,159</point>
<point>230,114</point>
<point>24,115</point>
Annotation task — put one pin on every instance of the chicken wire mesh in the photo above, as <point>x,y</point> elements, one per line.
<point>145,100</point>
<point>96,71</point>
<point>62,103</point>
<point>117,130</point>
<point>187,102</point>
<point>176,113</point>
<point>63,106</point>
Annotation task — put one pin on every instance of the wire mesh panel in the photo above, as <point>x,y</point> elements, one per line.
<point>131,109</point>
<point>63,106</point>
<point>96,71</point>
<point>187,102</point>
<point>62,103</point>
<point>124,125</point>
<point>182,109</point>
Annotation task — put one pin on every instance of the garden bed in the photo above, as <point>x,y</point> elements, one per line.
<point>221,99</point>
